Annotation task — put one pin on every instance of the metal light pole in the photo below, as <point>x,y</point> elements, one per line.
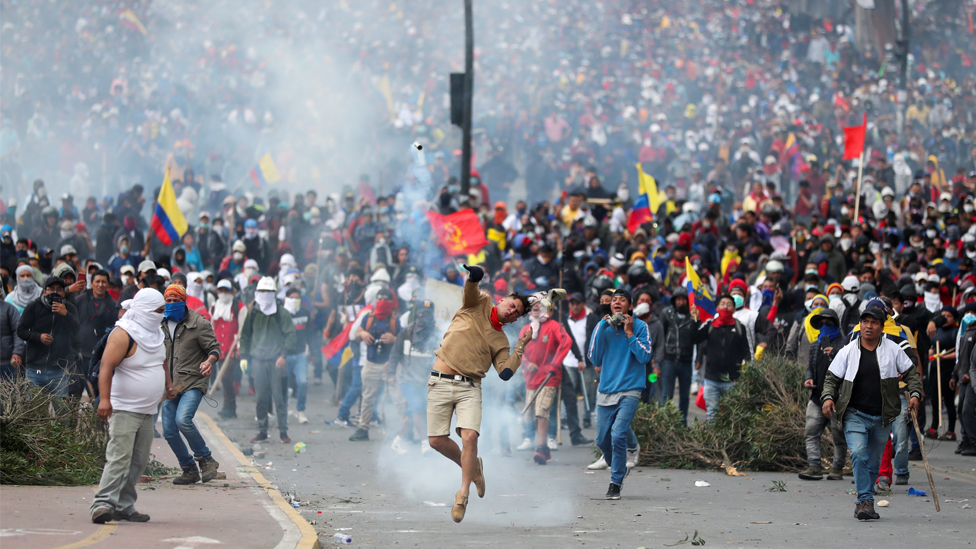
<point>902,54</point>
<point>468,101</point>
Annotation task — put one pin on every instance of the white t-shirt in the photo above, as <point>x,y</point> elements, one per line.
<point>139,382</point>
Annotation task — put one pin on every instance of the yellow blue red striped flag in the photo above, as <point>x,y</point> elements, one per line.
<point>168,222</point>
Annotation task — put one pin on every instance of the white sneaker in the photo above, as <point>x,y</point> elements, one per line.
<point>552,444</point>
<point>301,417</point>
<point>527,444</point>
<point>633,455</point>
<point>398,445</point>
<point>425,447</point>
<point>598,465</point>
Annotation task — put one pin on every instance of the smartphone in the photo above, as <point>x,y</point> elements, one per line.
<point>82,276</point>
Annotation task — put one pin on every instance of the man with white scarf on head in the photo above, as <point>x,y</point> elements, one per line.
<point>132,380</point>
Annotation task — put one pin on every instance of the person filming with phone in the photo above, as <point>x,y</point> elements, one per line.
<point>47,326</point>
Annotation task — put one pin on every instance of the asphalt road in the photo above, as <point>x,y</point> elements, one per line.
<point>384,499</point>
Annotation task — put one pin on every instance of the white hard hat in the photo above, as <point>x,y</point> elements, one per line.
<point>266,284</point>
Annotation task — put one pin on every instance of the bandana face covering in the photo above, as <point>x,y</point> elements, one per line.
<point>175,311</point>
<point>495,323</point>
<point>724,318</point>
<point>384,308</point>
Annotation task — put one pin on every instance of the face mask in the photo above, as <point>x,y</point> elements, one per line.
<point>944,207</point>
<point>968,208</point>
<point>808,304</point>
<point>41,192</point>
<point>250,232</point>
<point>930,233</point>
<point>833,299</point>
<point>66,234</point>
<point>845,244</point>
<point>292,304</point>
<point>307,216</point>
<point>739,301</point>
<point>971,255</point>
<point>951,253</point>
<point>238,257</point>
<point>124,249</point>
<point>204,225</point>
<point>175,311</point>
<point>225,298</point>
<point>642,309</point>
<point>208,286</point>
<point>917,244</point>
<point>603,310</point>
<point>623,193</point>
<point>850,298</point>
<point>844,211</point>
<point>810,287</point>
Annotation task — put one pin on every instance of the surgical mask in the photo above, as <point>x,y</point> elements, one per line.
<point>250,232</point>
<point>844,211</point>
<point>204,225</point>
<point>810,287</point>
<point>175,311</point>
<point>930,233</point>
<point>67,234</point>
<point>623,193</point>
<point>845,244</point>
<point>238,257</point>
<point>951,253</point>
<point>292,304</point>
<point>968,208</point>
<point>739,301</point>
<point>124,249</point>
<point>971,255</point>
<point>308,217</point>
<point>945,207</point>
<point>225,298</point>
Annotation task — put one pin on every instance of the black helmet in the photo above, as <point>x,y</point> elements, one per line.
<point>908,292</point>
<point>680,291</point>
<point>638,275</point>
<point>600,284</point>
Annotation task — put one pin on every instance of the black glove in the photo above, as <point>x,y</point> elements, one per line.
<point>475,273</point>
<point>506,374</point>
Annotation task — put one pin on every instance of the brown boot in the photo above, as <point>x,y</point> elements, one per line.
<point>208,468</point>
<point>191,475</point>
<point>460,505</point>
<point>865,511</point>
<point>479,479</point>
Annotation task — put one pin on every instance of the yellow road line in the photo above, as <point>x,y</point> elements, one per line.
<point>101,534</point>
<point>309,539</point>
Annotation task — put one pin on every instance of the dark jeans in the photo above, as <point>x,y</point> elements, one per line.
<point>572,406</point>
<point>178,419</point>
<point>229,384</point>
<point>267,387</point>
<point>968,415</point>
<point>51,380</point>
<point>315,352</point>
<point>673,370</point>
<point>947,396</point>
<point>8,372</point>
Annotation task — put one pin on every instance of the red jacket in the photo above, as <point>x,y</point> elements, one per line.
<point>547,351</point>
<point>225,330</point>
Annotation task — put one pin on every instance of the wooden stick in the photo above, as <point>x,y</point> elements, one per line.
<point>223,367</point>
<point>857,197</point>
<point>938,381</point>
<point>925,459</point>
<point>559,415</point>
<point>528,403</point>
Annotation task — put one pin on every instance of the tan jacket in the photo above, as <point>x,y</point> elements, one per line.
<point>194,342</point>
<point>471,345</point>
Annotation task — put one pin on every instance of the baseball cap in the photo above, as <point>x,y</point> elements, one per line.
<point>877,311</point>
<point>68,249</point>
<point>576,296</point>
<point>127,269</point>
<point>146,266</point>
<point>225,284</point>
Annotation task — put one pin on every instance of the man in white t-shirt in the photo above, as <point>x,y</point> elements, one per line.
<point>132,380</point>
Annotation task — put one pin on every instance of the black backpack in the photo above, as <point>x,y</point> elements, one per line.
<point>95,364</point>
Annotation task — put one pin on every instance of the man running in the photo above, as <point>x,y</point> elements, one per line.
<point>472,344</point>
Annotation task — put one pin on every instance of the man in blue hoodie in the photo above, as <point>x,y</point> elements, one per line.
<point>619,349</point>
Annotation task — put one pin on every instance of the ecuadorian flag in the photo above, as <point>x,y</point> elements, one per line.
<point>265,172</point>
<point>168,222</point>
<point>338,351</point>
<point>698,295</point>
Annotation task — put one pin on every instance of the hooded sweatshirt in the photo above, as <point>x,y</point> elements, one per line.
<point>621,358</point>
<point>547,350</point>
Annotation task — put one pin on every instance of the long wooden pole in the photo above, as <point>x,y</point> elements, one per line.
<point>223,367</point>
<point>938,381</point>
<point>925,458</point>
<point>857,197</point>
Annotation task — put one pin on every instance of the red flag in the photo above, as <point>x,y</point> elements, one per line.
<point>461,233</point>
<point>854,139</point>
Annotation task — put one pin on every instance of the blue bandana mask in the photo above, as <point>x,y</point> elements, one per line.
<point>175,311</point>
<point>828,332</point>
<point>767,297</point>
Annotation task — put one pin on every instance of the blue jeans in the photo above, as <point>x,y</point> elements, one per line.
<point>297,365</point>
<point>355,390</point>
<point>714,390</point>
<point>866,439</point>
<point>672,370</point>
<point>901,444</point>
<point>53,381</point>
<point>178,418</point>
<point>614,435</point>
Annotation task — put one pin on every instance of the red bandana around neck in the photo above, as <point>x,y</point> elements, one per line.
<point>495,323</point>
<point>580,316</point>
<point>724,318</point>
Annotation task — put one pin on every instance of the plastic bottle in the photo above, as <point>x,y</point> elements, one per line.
<point>341,539</point>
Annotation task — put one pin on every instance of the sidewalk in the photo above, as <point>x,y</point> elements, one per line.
<point>241,511</point>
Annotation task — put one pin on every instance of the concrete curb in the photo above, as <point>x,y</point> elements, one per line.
<point>309,538</point>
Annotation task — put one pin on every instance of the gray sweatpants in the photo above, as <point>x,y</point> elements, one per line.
<point>267,387</point>
<point>130,437</point>
<point>816,423</point>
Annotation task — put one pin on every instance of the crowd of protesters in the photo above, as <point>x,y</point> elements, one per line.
<point>735,111</point>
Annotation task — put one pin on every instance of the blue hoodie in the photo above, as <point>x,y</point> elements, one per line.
<point>623,359</point>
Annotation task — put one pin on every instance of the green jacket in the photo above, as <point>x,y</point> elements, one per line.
<point>892,360</point>
<point>268,337</point>
<point>194,341</point>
